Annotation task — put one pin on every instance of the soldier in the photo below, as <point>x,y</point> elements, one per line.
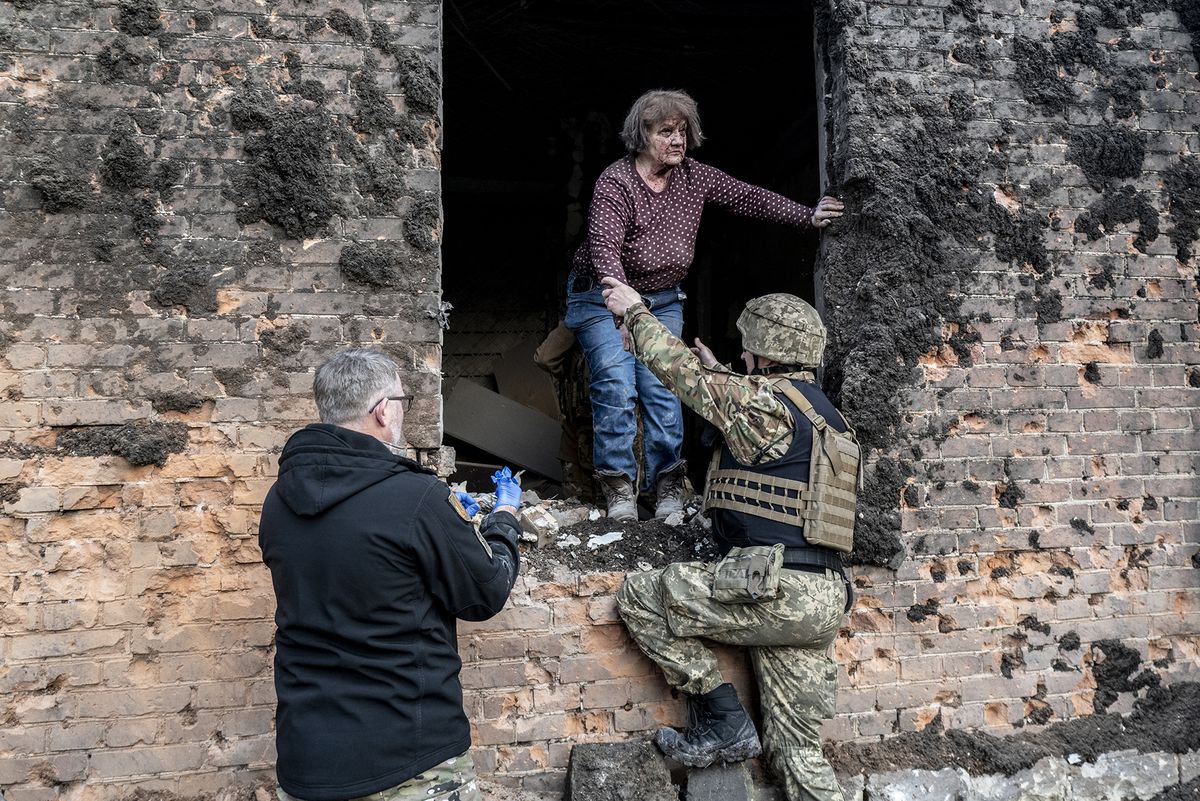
<point>779,432</point>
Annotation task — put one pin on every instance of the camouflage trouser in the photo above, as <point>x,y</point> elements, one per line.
<point>789,637</point>
<point>453,780</point>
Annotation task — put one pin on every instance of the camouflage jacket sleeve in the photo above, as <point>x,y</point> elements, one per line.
<point>757,425</point>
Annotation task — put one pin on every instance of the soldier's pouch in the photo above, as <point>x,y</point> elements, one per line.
<point>748,575</point>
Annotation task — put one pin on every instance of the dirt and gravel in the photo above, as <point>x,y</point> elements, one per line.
<point>1163,720</point>
<point>650,543</point>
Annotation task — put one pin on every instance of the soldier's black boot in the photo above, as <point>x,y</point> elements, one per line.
<point>718,730</point>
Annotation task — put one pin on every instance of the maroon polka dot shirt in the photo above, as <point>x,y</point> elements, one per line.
<point>648,239</point>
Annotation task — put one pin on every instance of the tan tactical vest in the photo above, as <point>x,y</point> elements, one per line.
<point>824,506</point>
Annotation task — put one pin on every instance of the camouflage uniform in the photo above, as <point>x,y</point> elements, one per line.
<point>789,637</point>
<point>453,780</point>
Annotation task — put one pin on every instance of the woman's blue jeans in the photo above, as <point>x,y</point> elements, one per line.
<point>619,382</point>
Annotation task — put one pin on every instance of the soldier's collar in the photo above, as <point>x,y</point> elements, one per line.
<point>803,375</point>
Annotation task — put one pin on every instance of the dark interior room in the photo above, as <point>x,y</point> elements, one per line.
<point>535,93</point>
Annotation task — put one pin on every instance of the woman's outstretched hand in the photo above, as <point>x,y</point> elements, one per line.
<point>828,210</point>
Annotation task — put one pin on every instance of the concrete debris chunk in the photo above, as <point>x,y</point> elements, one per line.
<point>571,515</point>
<point>632,771</point>
<point>1116,776</point>
<point>540,524</point>
<point>720,782</point>
<point>600,540</point>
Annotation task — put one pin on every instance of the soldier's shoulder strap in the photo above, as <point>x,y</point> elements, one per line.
<point>785,387</point>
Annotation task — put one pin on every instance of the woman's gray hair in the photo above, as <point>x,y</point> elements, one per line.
<point>351,381</point>
<point>652,108</point>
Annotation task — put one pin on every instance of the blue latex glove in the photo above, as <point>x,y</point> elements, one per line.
<point>468,502</point>
<point>508,488</point>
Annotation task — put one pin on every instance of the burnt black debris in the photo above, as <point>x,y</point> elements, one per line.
<point>286,341</point>
<point>177,400</point>
<point>63,188</point>
<point>373,110</point>
<point>919,612</point>
<point>1082,526</point>
<point>138,17</point>
<point>120,60</point>
<point>1037,75</point>
<point>234,379</point>
<point>124,165</point>
<point>1107,152</point>
<point>140,443</point>
<point>422,223</point>
<point>289,179</point>
<point>876,539</point>
<point>1010,495</point>
<point>418,76</point>
<point>1154,344</point>
<point>1117,208</point>
<point>649,543</point>
<point>374,264</point>
<point>1189,15</point>
<point>1162,721</point>
<point>1182,183</point>
<point>186,283</point>
<point>347,25</point>
<point>1114,673</point>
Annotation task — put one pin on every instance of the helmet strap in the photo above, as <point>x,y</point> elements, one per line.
<point>774,369</point>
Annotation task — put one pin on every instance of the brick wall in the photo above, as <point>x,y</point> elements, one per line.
<point>557,668</point>
<point>198,204</point>
<point>1014,304</point>
<point>201,200</point>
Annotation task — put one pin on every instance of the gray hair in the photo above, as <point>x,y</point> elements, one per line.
<point>350,381</point>
<point>652,108</point>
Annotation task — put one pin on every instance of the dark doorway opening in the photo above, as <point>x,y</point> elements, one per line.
<point>534,94</point>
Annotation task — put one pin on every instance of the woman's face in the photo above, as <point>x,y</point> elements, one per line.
<point>667,141</point>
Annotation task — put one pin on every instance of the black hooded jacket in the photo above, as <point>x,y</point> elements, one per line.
<point>371,564</point>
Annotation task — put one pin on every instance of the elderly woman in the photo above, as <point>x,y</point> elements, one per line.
<point>642,229</point>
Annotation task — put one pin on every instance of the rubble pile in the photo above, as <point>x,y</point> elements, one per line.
<point>565,533</point>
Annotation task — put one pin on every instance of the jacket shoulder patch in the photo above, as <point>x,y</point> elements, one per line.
<point>457,506</point>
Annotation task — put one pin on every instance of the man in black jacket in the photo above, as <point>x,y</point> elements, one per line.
<point>372,559</point>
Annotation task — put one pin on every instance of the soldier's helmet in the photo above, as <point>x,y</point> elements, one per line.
<point>784,328</point>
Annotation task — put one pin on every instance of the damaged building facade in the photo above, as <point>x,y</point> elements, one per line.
<point>199,205</point>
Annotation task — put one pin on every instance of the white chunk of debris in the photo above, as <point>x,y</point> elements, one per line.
<point>675,519</point>
<point>644,566</point>
<point>599,540</point>
<point>571,515</point>
<point>538,521</point>
<point>568,541</point>
<point>528,536</point>
<point>595,514</point>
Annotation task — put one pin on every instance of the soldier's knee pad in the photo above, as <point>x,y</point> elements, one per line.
<point>636,587</point>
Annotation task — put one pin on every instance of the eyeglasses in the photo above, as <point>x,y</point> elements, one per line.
<point>406,400</point>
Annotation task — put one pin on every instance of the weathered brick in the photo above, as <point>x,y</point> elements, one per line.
<point>146,760</point>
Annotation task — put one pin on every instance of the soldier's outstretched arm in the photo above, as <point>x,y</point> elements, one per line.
<point>756,424</point>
